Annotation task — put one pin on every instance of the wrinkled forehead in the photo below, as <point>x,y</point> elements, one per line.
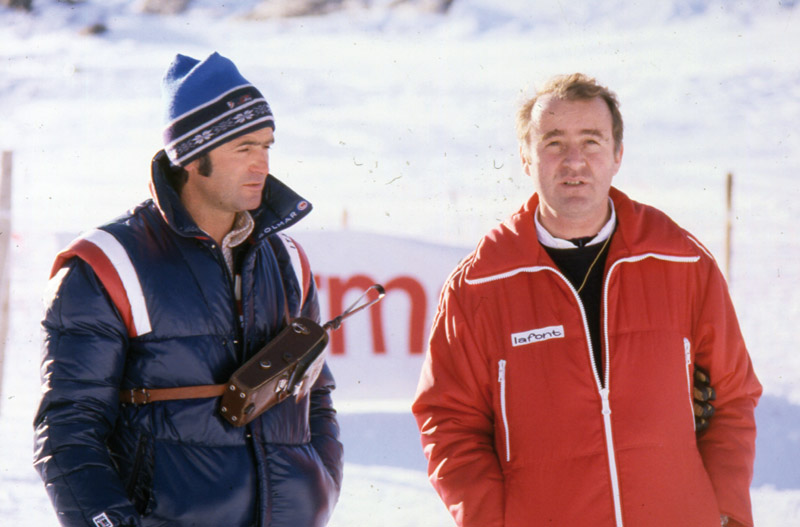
<point>551,111</point>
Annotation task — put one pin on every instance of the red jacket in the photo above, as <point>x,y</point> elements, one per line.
<point>516,425</point>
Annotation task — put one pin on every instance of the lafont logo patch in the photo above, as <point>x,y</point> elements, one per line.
<point>537,335</point>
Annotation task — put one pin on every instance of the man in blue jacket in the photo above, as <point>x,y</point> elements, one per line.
<point>178,293</point>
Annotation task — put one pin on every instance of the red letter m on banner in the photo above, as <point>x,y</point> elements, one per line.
<point>338,289</point>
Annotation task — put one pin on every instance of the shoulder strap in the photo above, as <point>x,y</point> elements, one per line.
<point>112,265</point>
<point>140,396</point>
<point>300,265</point>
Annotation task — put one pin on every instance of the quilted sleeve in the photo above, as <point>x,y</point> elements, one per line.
<point>83,356</point>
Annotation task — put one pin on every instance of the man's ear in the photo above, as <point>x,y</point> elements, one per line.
<point>526,162</point>
<point>618,157</point>
<point>192,168</point>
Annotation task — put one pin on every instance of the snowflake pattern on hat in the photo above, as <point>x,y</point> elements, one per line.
<point>207,104</point>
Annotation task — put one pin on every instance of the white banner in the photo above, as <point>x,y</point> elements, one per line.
<point>377,354</point>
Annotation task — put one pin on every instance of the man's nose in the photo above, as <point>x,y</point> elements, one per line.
<point>574,157</point>
<point>260,161</point>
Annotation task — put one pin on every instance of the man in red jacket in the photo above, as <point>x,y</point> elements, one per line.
<point>557,388</point>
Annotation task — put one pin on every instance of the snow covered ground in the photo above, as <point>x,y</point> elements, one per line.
<point>402,122</point>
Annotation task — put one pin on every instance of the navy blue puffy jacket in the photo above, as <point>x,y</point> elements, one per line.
<point>177,463</point>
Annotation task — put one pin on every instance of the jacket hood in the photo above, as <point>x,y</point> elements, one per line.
<point>280,206</point>
<point>641,229</point>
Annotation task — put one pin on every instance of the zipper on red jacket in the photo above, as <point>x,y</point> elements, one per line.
<point>687,350</point>
<point>605,392</point>
<point>602,388</point>
<point>501,378</point>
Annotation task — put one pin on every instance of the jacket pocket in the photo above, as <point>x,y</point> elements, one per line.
<point>501,379</point>
<point>139,486</point>
<point>687,350</point>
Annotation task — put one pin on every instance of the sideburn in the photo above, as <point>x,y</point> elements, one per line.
<point>204,166</point>
<point>178,176</point>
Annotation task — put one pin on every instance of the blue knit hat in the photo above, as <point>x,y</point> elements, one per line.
<point>207,104</point>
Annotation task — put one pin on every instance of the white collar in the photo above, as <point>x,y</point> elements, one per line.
<point>548,240</point>
<point>243,225</point>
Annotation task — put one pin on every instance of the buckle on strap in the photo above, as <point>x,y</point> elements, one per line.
<point>137,396</point>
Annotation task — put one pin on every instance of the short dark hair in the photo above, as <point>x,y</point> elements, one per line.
<point>178,176</point>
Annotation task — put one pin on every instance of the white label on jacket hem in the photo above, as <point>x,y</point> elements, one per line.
<point>101,520</point>
<point>537,335</point>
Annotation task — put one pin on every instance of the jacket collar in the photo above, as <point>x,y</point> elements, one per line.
<point>641,229</point>
<point>280,206</point>
<point>548,240</point>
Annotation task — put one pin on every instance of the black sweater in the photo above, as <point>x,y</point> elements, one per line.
<point>574,264</point>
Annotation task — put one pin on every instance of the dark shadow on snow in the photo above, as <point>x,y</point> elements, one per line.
<point>777,443</point>
<point>389,439</point>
